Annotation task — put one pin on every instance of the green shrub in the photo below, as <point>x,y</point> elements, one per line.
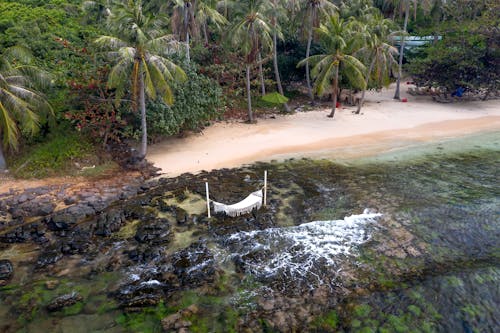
<point>196,101</point>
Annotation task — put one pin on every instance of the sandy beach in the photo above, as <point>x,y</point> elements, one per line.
<point>384,125</point>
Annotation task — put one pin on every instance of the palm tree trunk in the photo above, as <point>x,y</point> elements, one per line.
<point>249,98</point>
<point>334,91</point>
<point>188,58</point>
<point>142,106</point>
<point>276,69</point>
<point>186,26</point>
<point>368,73</point>
<point>261,74</point>
<point>308,51</point>
<point>3,163</point>
<point>205,32</point>
<point>401,51</point>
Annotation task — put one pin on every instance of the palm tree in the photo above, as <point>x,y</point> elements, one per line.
<point>183,21</point>
<point>275,13</point>
<point>379,53</point>
<point>311,13</point>
<point>250,33</point>
<point>401,49</point>
<point>340,39</point>
<point>20,103</point>
<point>140,49</point>
<point>190,15</point>
<point>206,12</point>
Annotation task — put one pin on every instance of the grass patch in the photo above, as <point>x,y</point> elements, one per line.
<point>55,156</point>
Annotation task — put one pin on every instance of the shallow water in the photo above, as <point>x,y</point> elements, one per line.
<point>425,257</point>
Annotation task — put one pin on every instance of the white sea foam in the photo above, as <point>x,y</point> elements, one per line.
<point>304,250</point>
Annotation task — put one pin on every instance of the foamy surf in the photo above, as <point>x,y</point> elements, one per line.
<point>301,251</point>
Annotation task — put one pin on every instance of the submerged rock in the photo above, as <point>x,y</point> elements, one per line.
<point>63,301</point>
<point>6,271</point>
<point>194,265</point>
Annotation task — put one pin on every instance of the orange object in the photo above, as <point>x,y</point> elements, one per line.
<point>404,100</point>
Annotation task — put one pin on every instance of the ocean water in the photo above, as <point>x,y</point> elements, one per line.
<point>407,241</point>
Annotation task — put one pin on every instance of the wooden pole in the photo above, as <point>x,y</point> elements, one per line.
<point>208,199</point>
<point>265,187</point>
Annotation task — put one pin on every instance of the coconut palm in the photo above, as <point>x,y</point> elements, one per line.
<point>378,51</point>
<point>275,13</point>
<point>140,49</point>
<point>20,103</point>
<point>340,39</point>
<point>206,12</point>
<point>406,4</point>
<point>311,13</point>
<point>191,15</point>
<point>249,33</point>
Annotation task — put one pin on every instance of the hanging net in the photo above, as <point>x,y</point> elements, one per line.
<point>253,201</point>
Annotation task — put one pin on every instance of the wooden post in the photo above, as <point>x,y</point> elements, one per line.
<point>208,199</point>
<point>265,187</point>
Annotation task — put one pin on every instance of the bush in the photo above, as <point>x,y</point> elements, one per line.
<point>196,101</point>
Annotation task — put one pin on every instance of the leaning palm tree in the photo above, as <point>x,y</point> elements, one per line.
<point>20,103</point>
<point>249,33</point>
<point>140,49</point>
<point>310,14</point>
<point>378,52</point>
<point>340,39</point>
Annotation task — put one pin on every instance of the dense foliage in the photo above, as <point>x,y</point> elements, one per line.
<point>240,49</point>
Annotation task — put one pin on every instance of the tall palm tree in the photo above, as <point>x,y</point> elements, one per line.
<point>340,39</point>
<point>140,49</point>
<point>312,11</point>
<point>249,33</point>
<point>275,13</point>
<point>20,103</point>
<point>378,51</point>
<point>184,22</point>
<point>406,4</point>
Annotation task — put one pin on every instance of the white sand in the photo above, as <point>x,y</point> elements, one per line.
<point>384,124</point>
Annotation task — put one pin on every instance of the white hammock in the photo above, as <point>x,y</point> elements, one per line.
<point>253,201</point>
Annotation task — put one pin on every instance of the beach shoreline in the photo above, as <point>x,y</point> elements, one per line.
<point>384,125</point>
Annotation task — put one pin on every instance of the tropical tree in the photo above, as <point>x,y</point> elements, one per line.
<point>20,103</point>
<point>140,49</point>
<point>340,39</point>
<point>311,12</point>
<point>276,12</point>
<point>378,52</point>
<point>190,15</point>
<point>206,12</point>
<point>249,33</point>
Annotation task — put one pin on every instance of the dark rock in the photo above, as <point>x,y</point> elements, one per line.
<point>194,265</point>
<point>109,222</point>
<point>141,301</point>
<point>6,271</point>
<point>19,235</point>
<point>157,232</point>
<point>181,216</point>
<point>63,301</point>
<point>70,200</point>
<point>49,256</point>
